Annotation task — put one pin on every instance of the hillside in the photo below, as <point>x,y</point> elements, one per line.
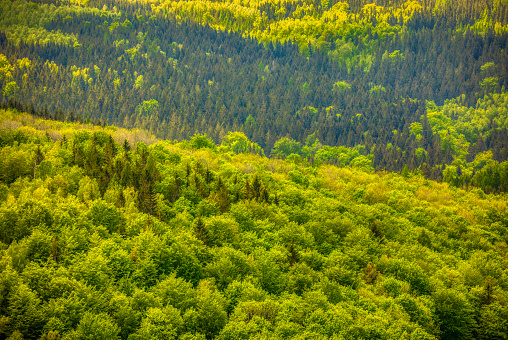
<point>108,233</point>
<point>253,169</point>
<point>416,84</point>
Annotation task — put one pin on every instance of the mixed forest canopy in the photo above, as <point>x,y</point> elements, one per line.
<point>108,233</point>
<point>253,169</point>
<point>404,84</point>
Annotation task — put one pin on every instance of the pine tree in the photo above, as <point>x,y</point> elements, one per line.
<point>37,159</point>
<point>126,146</point>
<point>201,231</point>
<point>256,187</point>
<point>293,254</point>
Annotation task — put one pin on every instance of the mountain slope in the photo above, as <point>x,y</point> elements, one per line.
<point>195,240</point>
<point>164,71</point>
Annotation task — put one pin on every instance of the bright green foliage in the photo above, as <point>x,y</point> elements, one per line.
<point>160,324</point>
<point>139,84</point>
<point>341,86</point>
<point>376,89</point>
<point>237,142</point>
<point>107,233</point>
<point>10,88</point>
<point>106,215</point>
<point>489,84</point>
<point>148,107</point>
<point>24,21</point>
<point>488,67</point>
<point>460,129</point>
<point>96,327</point>
<point>343,156</point>
<point>14,162</point>
<point>285,147</point>
<point>486,23</point>
<point>471,122</point>
<point>455,314</point>
<point>310,25</point>
<point>5,68</point>
<point>201,141</point>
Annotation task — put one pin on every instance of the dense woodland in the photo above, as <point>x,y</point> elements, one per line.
<point>358,76</point>
<point>299,169</point>
<point>107,233</point>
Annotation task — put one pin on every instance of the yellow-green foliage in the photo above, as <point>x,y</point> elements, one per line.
<point>18,33</point>
<point>56,130</point>
<point>341,86</point>
<point>470,122</point>
<point>449,136</point>
<point>323,27</point>
<point>182,240</point>
<point>485,24</point>
<point>25,21</point>
<point>320,27</point>
<point>6,69</point>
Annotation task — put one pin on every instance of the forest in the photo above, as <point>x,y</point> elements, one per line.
<point>290,169</point>
<point>109,233</point>
<point>416,85</point>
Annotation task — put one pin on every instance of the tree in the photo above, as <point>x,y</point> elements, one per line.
<point>284,147</point>
<point>293,254</point>
<point>13,164</point>
<point>202,231</point>
<point>25,312</point>
<point>106,215</point>
<point>97,327</point>
<point>88,190</point>
<point>489,84</point>
<point>38,158</point>
<point>160,324</point>
<point>492,322</point>
<point>201,141</point>
<point>455,314</point>
<point>211,316</point>
<point>370,273</point>
<point>146,108</point>
<point>176,292</point>
<point>237,142</point>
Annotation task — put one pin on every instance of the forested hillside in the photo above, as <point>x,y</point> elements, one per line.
<point>298,169</point>
<point>416,84</point>
<point>107,233</point>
